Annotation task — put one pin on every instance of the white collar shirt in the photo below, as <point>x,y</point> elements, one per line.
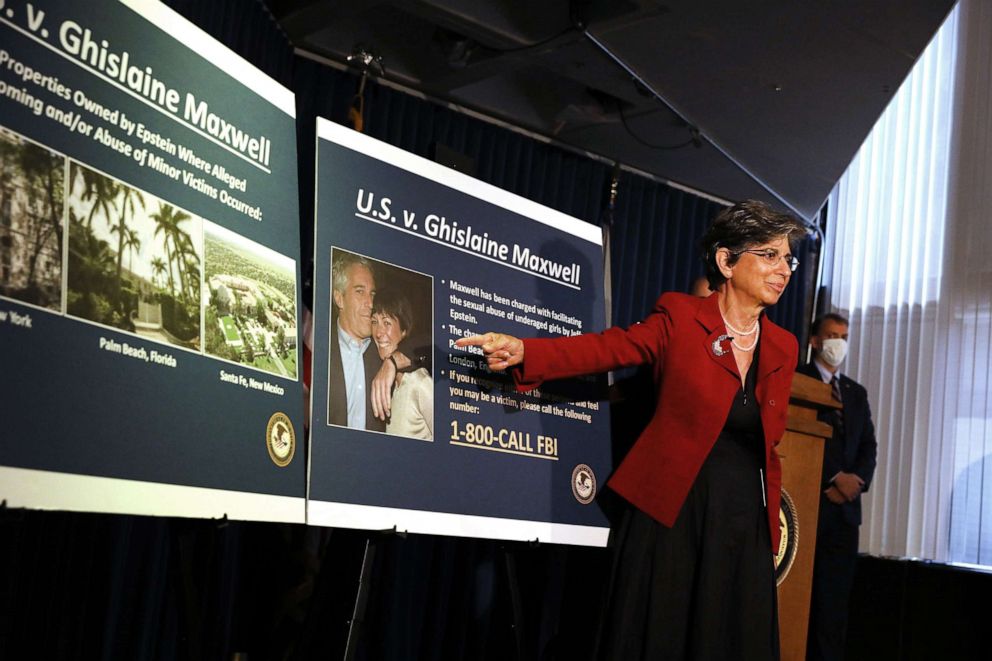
<point>353,362</point>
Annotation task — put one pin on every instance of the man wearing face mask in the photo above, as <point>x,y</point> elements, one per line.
<point>848,465</point>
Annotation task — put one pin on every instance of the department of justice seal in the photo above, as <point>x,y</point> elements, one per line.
<point>788,523</point>
<point>583,484</point>
<point>280,439</point>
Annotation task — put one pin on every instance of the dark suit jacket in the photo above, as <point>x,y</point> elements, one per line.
<point>696,389</point>
<point>337,399</point>
<point>855,452</point>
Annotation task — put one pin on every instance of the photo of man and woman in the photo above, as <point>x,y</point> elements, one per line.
<point>379,371</point>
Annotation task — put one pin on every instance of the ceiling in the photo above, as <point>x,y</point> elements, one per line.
<point>766,99</point>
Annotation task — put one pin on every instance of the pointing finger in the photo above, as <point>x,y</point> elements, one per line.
<point>472,340</point>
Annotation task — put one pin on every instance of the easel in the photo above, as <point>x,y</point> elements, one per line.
<point>357,622</point>
<point>373,540</point>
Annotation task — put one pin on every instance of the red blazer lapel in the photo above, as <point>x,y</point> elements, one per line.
<point>717,341</point>
<point>773,354</point>
<point>772,395</point>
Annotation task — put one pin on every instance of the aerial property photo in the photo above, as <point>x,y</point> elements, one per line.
<point>249,299</point>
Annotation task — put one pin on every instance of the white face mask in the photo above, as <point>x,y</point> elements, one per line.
<point>834,351</point>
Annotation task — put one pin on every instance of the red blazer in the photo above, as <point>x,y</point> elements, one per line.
<point>695,391</point>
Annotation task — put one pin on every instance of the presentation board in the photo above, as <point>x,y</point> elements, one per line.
<point>149,268</point>
<point>410,256</point>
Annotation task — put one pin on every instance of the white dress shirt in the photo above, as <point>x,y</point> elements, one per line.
<point>353,362</point>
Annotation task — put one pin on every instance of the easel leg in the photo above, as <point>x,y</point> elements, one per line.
<point>516,604</point>
<point>357,622</point>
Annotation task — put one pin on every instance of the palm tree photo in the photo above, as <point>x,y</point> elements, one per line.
<point>134,260</point>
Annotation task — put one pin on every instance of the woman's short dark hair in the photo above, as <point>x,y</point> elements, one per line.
<point>392,303</point>
<point>741,227</point>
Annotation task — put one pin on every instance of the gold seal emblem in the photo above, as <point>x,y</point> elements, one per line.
<point>280,439</point>
<point>788,523</point>
<point>583,484</point>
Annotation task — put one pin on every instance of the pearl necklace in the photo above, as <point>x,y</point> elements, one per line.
<point>751,346</point>
<point>755,328</point>
<point>738,331</point>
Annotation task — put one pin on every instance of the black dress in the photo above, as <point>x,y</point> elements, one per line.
<point>704,588</point>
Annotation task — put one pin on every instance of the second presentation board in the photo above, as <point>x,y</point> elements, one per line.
<point>410,256</point>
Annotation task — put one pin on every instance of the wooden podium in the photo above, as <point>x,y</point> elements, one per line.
<point>801,451</point>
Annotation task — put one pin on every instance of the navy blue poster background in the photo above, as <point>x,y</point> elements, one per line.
<point>152,336</point>
<point>498,454</point>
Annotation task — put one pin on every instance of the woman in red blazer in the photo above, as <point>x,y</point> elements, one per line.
<point>693,574</point>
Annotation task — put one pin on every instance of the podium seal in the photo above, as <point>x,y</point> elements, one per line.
<point>788,523</point>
